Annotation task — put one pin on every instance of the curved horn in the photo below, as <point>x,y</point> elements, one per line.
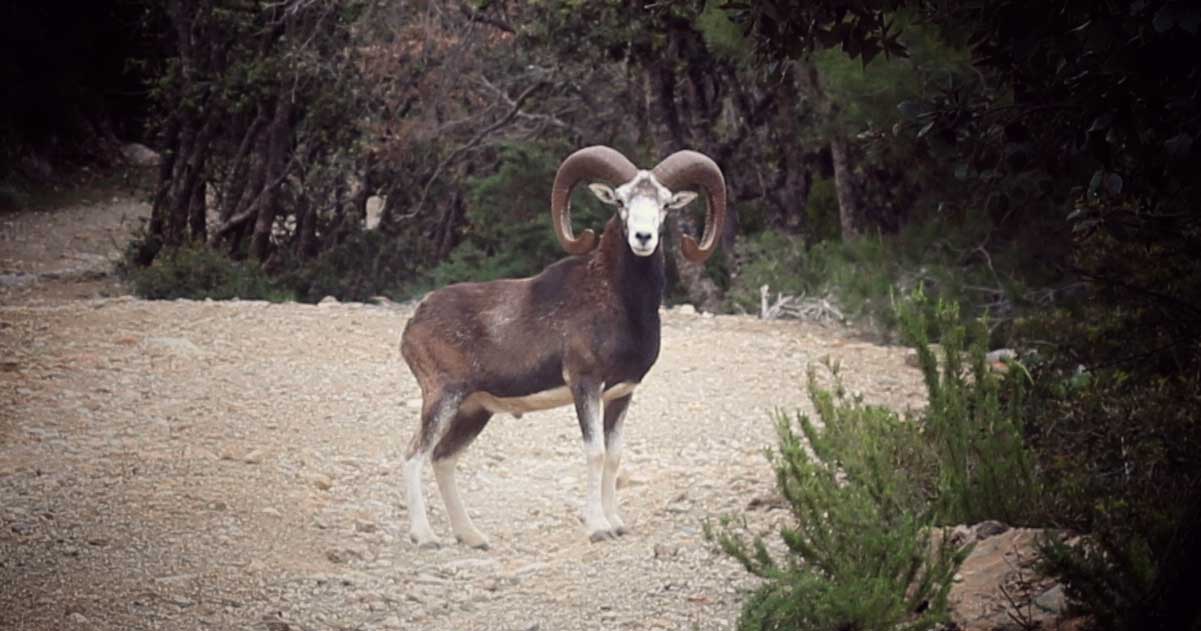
<point>687,169</point>
<point>597,162</point>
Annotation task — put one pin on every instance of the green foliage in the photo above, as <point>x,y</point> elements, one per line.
<point>868,94</point>
<point>197,272</point>
<point>1118,441</point>
<point>1132,579</point>
<point>367,263</point>
<point>510,234</point>
<point>869,489</point>
<point>722,36</point>
<point>821,211</point>
<point>862,276</point>
<point>974,418</point>
<point>861,550</point>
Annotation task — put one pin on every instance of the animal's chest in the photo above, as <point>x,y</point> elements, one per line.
<point>632,354</point>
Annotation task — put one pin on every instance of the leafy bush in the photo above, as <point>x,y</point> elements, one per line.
<point>861,276</point>
<point>508,211</point>
<point>197,272</point>
<point>862,554</point>
<point>367,263</point>
<point>1119,444</point>
<point>869,489</point>
<point>1136,571</point>
<point>974,419</point>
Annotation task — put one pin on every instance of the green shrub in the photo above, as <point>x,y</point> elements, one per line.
<point>510,232</point>
<point>197,272</point>
<point>367,263</point>
<point>821,211</point>
<point>1136,571</point>
<point>862,554</point>
<point>1119,445</point>
<point>974,418</point>
<point>868,489</point>
<point>864,276</point>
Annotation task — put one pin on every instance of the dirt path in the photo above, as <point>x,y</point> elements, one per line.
<point>236,465</point>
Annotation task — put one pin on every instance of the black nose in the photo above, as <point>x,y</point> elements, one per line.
<point>643,237</point>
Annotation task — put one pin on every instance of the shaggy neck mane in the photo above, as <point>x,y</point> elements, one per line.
<point>640,280</point>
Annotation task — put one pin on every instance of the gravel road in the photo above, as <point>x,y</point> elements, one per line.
<point>237,465</point>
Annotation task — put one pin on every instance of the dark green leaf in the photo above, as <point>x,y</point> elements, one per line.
<point>1179,145</point>
<point>911,109</point>
<point>1113,183</point>
<point>1164,19</point>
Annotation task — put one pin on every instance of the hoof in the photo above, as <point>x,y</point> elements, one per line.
<point>601,535</point>
<point>425,543</point>
<point>479,542</point>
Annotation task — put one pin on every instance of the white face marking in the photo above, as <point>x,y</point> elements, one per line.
<point>642,205</point>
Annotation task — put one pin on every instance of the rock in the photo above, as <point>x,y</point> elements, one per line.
<point>180,601</point>
<point>962,535</point>
<point>663,550</point>
<point>978,599</point>
<point>254,456</point>
<point>686,309</point>
<point>375,210</point>
<point>364,526</point>
<point>1053,600</point>
<point>912,360</point>
<point>180,346</point>
<point>327,301</point>
<point>319,480</point>
<point>990,528</point>
<point>18,279</point>
<point>140,155</point>
<point>998,359</point>
<point>469,564</point>
<point>428,579</point>
<point>343,555</point>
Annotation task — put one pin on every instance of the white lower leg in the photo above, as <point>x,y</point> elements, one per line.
<point>594,513</point>
<point>419,524</point>
<point>609,483</point>
<point>460,521</point>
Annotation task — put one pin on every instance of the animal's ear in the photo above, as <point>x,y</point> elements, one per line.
<point>605,193</point>
<point>681,199</point>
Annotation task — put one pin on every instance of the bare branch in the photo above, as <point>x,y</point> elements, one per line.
<point>475,15</point>
<point>475,140</point>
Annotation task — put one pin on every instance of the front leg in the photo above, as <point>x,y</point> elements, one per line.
<point>615,414</point>
<point>586,393</point>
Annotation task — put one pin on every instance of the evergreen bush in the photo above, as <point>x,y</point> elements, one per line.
<point>872,492</point>
<point>197,272</point>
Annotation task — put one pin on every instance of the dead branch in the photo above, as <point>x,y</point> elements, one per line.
<point>467,146</point>
<point>797,308</point>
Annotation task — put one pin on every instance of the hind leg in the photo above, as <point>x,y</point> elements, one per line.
<point>463,429</point>
<point>436,413</point>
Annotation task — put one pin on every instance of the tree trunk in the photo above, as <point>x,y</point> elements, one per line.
<point>844,183</point>
<point>277,155</point>
<point>849,213</point>
<point>702,292</point>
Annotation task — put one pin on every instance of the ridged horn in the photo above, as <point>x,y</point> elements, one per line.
<point>597,163</point>
<point>685,170</point>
